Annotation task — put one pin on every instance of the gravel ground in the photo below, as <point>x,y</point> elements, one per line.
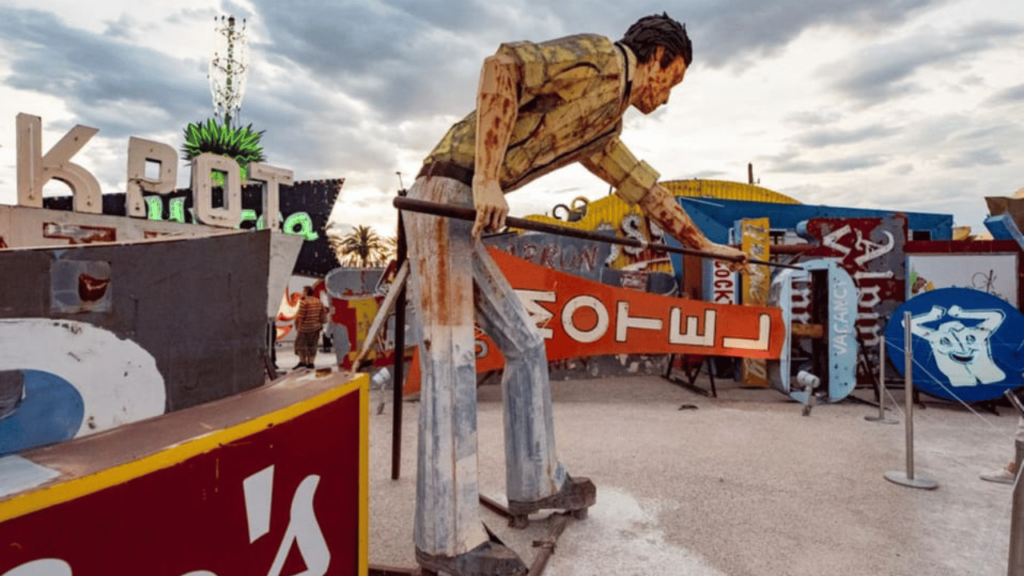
<point>743,485</point>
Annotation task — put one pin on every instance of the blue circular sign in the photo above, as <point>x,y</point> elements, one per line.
<point>51,411</point>
<point>967,345</point>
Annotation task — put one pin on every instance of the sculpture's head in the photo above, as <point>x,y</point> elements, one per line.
<point>663,51</point>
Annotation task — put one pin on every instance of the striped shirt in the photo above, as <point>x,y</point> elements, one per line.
<point>307,319</point>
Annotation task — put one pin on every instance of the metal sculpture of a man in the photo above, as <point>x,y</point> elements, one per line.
<point>539,107</point>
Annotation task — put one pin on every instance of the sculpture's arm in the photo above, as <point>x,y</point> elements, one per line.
<point>637,183</point>
<point>661,206</point>
<point>497,105</point>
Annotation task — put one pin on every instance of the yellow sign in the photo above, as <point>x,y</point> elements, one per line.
<point>755,241</point>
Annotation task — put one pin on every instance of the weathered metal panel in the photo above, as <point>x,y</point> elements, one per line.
<point>754,241</point>
<point>583,258</point>
<point>993,273</point>
<point>305,208</point>
<point>842,346</point>
<point>1003,227</point>
<point>965,344</point>
<point>21,226</point>
<point>77,379</point>
<point>871,251</point>
<point>617,217</point>
<point>715,217</point>
<point>237,485</point>
<point>720,285</point>
<point>197,305</point>
<point>981,264</point>
<point>581,318</point>
<point>284,249</point>
<point>724,190</point>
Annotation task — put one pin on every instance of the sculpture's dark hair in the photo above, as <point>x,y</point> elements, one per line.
<point>649,32</point>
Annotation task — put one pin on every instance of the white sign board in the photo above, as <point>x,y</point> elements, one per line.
<point>992,273</point>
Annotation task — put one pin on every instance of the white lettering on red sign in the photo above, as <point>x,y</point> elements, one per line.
<point>760,343</point>
<point>623,322</point>
<point>538,314</point>
<point>724,284</point>
<point>303,531</point>
<point>569,324</point>
<point>691,337</point>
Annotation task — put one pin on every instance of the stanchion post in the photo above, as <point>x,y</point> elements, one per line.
<point>908,370</point>
<point>907,479</point>
<point>399,366</point>
<point>881,418</point>
<point>1015,563</point>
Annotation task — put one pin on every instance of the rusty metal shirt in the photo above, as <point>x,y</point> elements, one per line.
<point>572,95</point>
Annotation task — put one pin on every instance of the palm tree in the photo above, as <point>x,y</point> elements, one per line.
<point>389,249</point>
<point>361,244</point>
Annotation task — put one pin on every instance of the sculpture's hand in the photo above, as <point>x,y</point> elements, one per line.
<point>491,206</point>
<point>739,261</point>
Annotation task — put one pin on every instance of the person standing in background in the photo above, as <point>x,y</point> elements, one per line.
<point>309,320</point>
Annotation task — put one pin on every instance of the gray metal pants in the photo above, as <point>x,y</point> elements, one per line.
<point>446,266</point>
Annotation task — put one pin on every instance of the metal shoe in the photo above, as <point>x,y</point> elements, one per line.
<point>576,496</point>
<point>492,558</point>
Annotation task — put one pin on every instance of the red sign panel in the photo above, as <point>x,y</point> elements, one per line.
<point>581,318</point>
<point>283,500</point>
<point>871,251</point>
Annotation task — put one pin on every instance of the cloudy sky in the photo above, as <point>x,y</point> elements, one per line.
<point>895,104</point>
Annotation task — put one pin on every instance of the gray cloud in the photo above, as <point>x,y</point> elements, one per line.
<point>740,31</point>
<point>820,137</point>
<point>98,75</point>
<point>975,159</point>
<point>887,70</point>
<point>795,162</point>
<point>353,89</point>
<point>1012,95</point>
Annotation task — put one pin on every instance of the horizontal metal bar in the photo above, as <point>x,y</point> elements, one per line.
<point>466,213</point>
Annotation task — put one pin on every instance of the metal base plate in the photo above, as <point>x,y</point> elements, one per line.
<point>881,419</point>
<point>918,482</point>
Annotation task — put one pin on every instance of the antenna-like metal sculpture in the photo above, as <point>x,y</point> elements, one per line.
<point>229,66</point>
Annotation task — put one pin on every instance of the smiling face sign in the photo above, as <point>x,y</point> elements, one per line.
<point>967,345</point>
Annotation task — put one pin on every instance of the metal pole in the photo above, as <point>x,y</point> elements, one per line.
<point>465,213</point>
<point>881,418</point>
<point>1015,563</point>
<point>908,372</point>
<point>399,366</point>
<point>908,478</point>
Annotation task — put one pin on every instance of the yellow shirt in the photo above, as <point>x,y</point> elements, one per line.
<point>572,96</point>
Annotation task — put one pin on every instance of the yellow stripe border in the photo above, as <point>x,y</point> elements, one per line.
<point>79,487</point>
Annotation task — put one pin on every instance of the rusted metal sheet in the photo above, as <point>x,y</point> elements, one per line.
<point>615,216</point>
<point>187,303</point>
<point>305,208</point>
<point>724,190</point>
<point>356,296</point>
<point>790,289</point>
<point>720,285</point>
<point>238,487</point>
<point>581,318</point>
<point>754,240</point>
<point>22,226</point>
<point>871,251</point>
<point>570,255</point>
